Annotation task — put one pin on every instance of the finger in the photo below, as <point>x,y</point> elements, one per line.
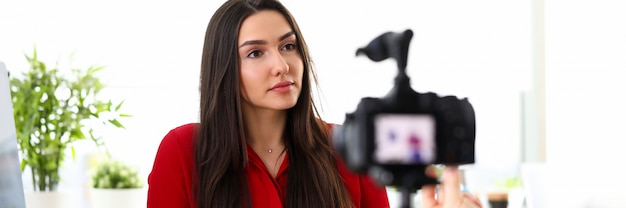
<point>428,191</point>
<point>431,172</point>
<point>473,199</point>
<point>428,196</point>
<point>451,187</point>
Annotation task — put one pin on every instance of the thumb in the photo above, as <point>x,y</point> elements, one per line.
<point>451,185</point>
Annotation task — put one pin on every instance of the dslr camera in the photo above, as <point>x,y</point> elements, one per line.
<point>395,138</point>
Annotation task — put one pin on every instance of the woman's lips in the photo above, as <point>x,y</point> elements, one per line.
<point>282,87</point>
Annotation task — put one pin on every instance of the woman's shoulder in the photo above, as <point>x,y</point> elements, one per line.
<point>170,180</point>
<point>180,136</point>
<point>188,128</point>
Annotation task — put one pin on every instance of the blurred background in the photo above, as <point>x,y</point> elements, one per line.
<point>545,78</point>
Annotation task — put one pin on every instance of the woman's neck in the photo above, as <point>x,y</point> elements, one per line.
<point>264,129</point>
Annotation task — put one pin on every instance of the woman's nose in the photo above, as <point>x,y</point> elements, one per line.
<point>279,65</point>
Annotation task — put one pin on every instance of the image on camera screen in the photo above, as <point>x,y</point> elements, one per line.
<point>404,139</point>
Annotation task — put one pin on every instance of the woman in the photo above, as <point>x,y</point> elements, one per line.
<point>259,142</point>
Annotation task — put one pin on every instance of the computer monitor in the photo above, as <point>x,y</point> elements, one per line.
<point>11,187</point>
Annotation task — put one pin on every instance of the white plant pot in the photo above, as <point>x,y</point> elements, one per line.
<point>118,198</point>
<point>53,199</point>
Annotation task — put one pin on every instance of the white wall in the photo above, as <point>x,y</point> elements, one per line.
<point>476,49</point>
<point>585,55</point>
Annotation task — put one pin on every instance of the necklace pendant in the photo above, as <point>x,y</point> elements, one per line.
<point>269,150</point>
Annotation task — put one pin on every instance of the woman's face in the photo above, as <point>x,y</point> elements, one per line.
<point>270,65</point>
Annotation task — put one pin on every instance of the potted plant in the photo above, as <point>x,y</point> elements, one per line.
<point>53,110</point>
<point>116,184</point>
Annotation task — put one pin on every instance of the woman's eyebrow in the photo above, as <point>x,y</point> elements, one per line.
<point>286,35</point>
<point>261,42</point>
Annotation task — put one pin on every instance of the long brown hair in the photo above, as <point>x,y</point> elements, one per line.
<point>220,150</point>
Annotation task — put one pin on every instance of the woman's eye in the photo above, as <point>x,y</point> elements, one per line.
<point>254,54</point>
<point>289,46</point>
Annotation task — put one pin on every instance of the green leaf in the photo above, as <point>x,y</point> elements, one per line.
<point>73,153</point>
<point>125,115</point>
<point>23,165</point>
<point>117,108</point>
<point>94,69</point>
<point>116,123</point>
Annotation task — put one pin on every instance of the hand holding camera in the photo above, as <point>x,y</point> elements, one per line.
<point>450,194</point>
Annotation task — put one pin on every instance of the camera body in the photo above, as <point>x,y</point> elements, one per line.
<point>407,129</point>
<point>404,131</point>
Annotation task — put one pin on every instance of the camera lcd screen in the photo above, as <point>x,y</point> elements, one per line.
<point>404,139</point>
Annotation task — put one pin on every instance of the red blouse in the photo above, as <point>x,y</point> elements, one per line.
<point>170,182</point>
